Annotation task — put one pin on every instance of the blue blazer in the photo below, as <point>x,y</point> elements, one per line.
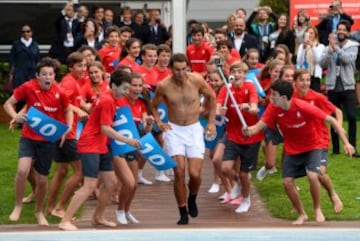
<point>23,61</point>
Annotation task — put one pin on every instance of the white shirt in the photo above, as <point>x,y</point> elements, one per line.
<point>238,41</point>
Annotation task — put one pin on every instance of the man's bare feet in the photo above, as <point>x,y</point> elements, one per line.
<point>301,219</point>
<point>41,219</point>
<point>337,203</point>
<point>67,226</point>
<point>29,198</point>
<point>319,216</point>
<point>103,221</point>
<point>15,214</point>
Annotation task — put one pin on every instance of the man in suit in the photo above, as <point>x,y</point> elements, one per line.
<point>158,32</point>
<point>242,40</point>
<point>67,28</point>
<point>328,25</point>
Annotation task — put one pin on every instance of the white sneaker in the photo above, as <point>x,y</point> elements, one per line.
<point>162,178</point>
<point>121,217</point>
<point>272,170</point>
<point>222,197</point>
<point>169,172</point>
<point>262,173</point>
<point>215,188</point>
<point>143,180</point>
<point>244,205</point>
<point>235,191</point>
<point>131,218</point>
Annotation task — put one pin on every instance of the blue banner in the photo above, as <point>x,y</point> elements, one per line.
<point>162,109</point>
<point>251,77</point>
<point>155,154</point>
<point>220,124</point>
<point>124,124</point>
<point>44,125</point>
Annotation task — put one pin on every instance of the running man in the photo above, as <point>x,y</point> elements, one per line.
<point>183,135</point>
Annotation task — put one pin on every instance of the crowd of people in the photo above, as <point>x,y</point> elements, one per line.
<point>275,95</point>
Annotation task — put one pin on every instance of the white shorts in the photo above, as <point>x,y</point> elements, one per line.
<point>186,141</point>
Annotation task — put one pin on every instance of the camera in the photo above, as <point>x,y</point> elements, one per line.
<point>218,62</point>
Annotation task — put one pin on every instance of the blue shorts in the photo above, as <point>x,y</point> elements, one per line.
<point>248,154</point>
<point>68,152</point>
<point>131,156</point>
<point>93,163</point>
<point>299,165</point>
<point>42,152</point>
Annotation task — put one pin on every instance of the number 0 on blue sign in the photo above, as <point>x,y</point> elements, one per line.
<point>45,126</point>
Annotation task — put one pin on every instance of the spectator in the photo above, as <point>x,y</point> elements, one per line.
<point>99,19</point>
<point>240,13</point>
<point>125,18</point>
<point>89,35</point>
<point>125,34</point>
<point>110,52</point>
<point>130,53</point>
<point>339,59</point>
<point>328,25</point>
<point>302,21</point>
<point>82,13</point>
<point>282,34</point>
<point>24,55</point>
<point>309,55</point>
<point>242,40</point>
<point>108,20</point>
<point>190,25</point>
<point>158,31</point>
<point>67,28</point>
<point>141,30</point>
<point>262,29</point>
<point>219,35</point>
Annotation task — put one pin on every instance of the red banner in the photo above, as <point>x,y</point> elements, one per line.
<point>350,7</point>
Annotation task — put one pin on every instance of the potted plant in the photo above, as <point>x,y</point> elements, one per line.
<point>5,91</point>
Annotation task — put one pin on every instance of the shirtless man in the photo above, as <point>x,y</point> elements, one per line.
<point>183,135</point>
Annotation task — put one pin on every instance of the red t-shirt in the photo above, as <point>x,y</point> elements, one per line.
<point>320,101</point>
<point>92,140</point>
<point>245,94</point>
<point>131,63</point>
<point>199,56</point>
<point>51,102</point>
<point>232,60</point>
<point>298,125</point>
<point>235,53</point>
<point>150,76</point>
<point>71,89</point>
<point>109,55</point>
<point>162,74</point>
<point>137,109</point>
<point>91,93</point>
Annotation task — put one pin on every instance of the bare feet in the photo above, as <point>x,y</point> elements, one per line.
<point>58,213</point>
<point>29,198</point>
<point>15,214</point>
<point>337,203</point>
<point>301,219</point>
<point>103,221</point>
<point>67,226</point>
<point>41,219</point>
<point>319,216</point>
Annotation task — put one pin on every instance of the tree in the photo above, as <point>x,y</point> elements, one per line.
<point>278,6</point>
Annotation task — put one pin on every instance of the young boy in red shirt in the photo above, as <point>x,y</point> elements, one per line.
<point>110,52</point>
<point>44,94</point>
<point>96,158</point>
<point>298,120</point>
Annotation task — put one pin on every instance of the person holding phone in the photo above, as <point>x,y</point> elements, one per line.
<point>309,55</point>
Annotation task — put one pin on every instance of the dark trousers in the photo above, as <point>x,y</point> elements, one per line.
<point>345,100</point>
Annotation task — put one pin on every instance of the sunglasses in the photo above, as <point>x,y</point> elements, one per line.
<point>25,31</point>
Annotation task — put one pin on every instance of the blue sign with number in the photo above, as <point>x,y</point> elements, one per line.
<point>155,154</point>
<point>124,124</point>
<point>220,123</point>
<point>44,125</point>
<point>251,77</point>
